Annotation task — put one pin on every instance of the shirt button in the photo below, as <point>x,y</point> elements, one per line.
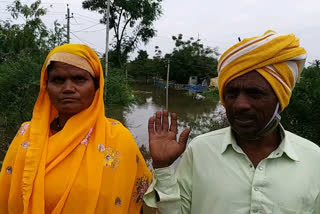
<point>256,189</point>
<point>260,168</point>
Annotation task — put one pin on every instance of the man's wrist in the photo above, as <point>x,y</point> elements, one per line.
<point>156,165</point>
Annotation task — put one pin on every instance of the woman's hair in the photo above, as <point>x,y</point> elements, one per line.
<point>50,67</point>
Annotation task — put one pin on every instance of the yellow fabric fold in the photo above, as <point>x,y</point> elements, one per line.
<point>71,59</point>
<point>91,166</point>
<point>278,58</point>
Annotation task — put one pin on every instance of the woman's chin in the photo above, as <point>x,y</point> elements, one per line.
<point>69,110</point>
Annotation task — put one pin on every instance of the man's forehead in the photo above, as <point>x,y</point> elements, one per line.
<point>250,79</point>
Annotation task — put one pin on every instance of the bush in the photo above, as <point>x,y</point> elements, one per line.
<point>116,90</point>
<point>212,94</point>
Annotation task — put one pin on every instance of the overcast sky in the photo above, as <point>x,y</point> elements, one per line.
<point>217,23</point>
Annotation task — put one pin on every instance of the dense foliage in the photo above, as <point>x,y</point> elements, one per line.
<point>145,68</point>
<point>23,49</point>
<point>188,58</point>
<point>303,113</point>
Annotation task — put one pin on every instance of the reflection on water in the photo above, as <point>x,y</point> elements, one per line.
<point>199,115</point>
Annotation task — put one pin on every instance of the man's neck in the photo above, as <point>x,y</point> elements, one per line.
<point>259,149</point>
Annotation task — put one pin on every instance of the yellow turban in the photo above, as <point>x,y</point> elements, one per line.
<point>277,57</point>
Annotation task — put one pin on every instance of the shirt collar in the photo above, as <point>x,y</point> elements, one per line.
<point>284,147</point>
<point>228,139</point>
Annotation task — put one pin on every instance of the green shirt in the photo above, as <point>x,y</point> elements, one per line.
<point>216,176</point>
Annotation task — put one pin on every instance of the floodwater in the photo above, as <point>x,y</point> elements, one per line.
<point>199,115</point>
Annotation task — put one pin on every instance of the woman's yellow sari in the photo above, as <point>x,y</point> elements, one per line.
<point>91,166</point>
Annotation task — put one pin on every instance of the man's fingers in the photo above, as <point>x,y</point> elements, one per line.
<point>158,121</point>
<point>151,126</point>
<point>174,126</point>
<point>184,137</point>
<point>165,122</point>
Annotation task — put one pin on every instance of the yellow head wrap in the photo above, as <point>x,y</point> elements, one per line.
<point>71,59</point>
<point>278,58</point>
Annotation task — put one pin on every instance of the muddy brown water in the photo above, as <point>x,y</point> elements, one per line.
<point>192,113</point>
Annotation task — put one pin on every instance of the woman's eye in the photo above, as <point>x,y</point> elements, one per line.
<point>79,79</point>
<point>57,80</point>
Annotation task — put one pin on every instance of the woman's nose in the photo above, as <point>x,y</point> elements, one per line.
<point>68,87</point>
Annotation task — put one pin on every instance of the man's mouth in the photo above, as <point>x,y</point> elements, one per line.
<point>244,121</point>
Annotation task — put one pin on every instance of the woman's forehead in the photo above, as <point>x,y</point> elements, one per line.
<point>64,68</point>
<point>71,59</point>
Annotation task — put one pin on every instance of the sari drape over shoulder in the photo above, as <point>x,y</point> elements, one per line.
<point>91,166</point>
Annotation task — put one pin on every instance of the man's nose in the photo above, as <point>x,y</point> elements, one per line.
<point>242,102</point>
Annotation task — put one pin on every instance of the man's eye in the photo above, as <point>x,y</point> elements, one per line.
<point>231,95</point>
<point>256,94</point>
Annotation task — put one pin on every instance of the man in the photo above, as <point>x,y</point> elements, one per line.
<point>253,166</point>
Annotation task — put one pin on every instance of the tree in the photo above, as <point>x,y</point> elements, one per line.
<point>139,67</point>
<point>131,21</point>
<point>57,36</point>
<point>191,58</point>
<point>34,31</point>
<point>143,66</point>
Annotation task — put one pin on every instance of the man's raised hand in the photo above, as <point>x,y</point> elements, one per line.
<point>163,145</point>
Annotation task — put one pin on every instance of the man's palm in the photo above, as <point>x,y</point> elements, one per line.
<point>164,148</point>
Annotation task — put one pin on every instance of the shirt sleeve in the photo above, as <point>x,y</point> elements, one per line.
<point>174,189</point>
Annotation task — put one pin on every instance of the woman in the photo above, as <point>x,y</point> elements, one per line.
<point>69,158</point>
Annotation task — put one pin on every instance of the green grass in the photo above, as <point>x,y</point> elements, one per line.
<point>212,94</point>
